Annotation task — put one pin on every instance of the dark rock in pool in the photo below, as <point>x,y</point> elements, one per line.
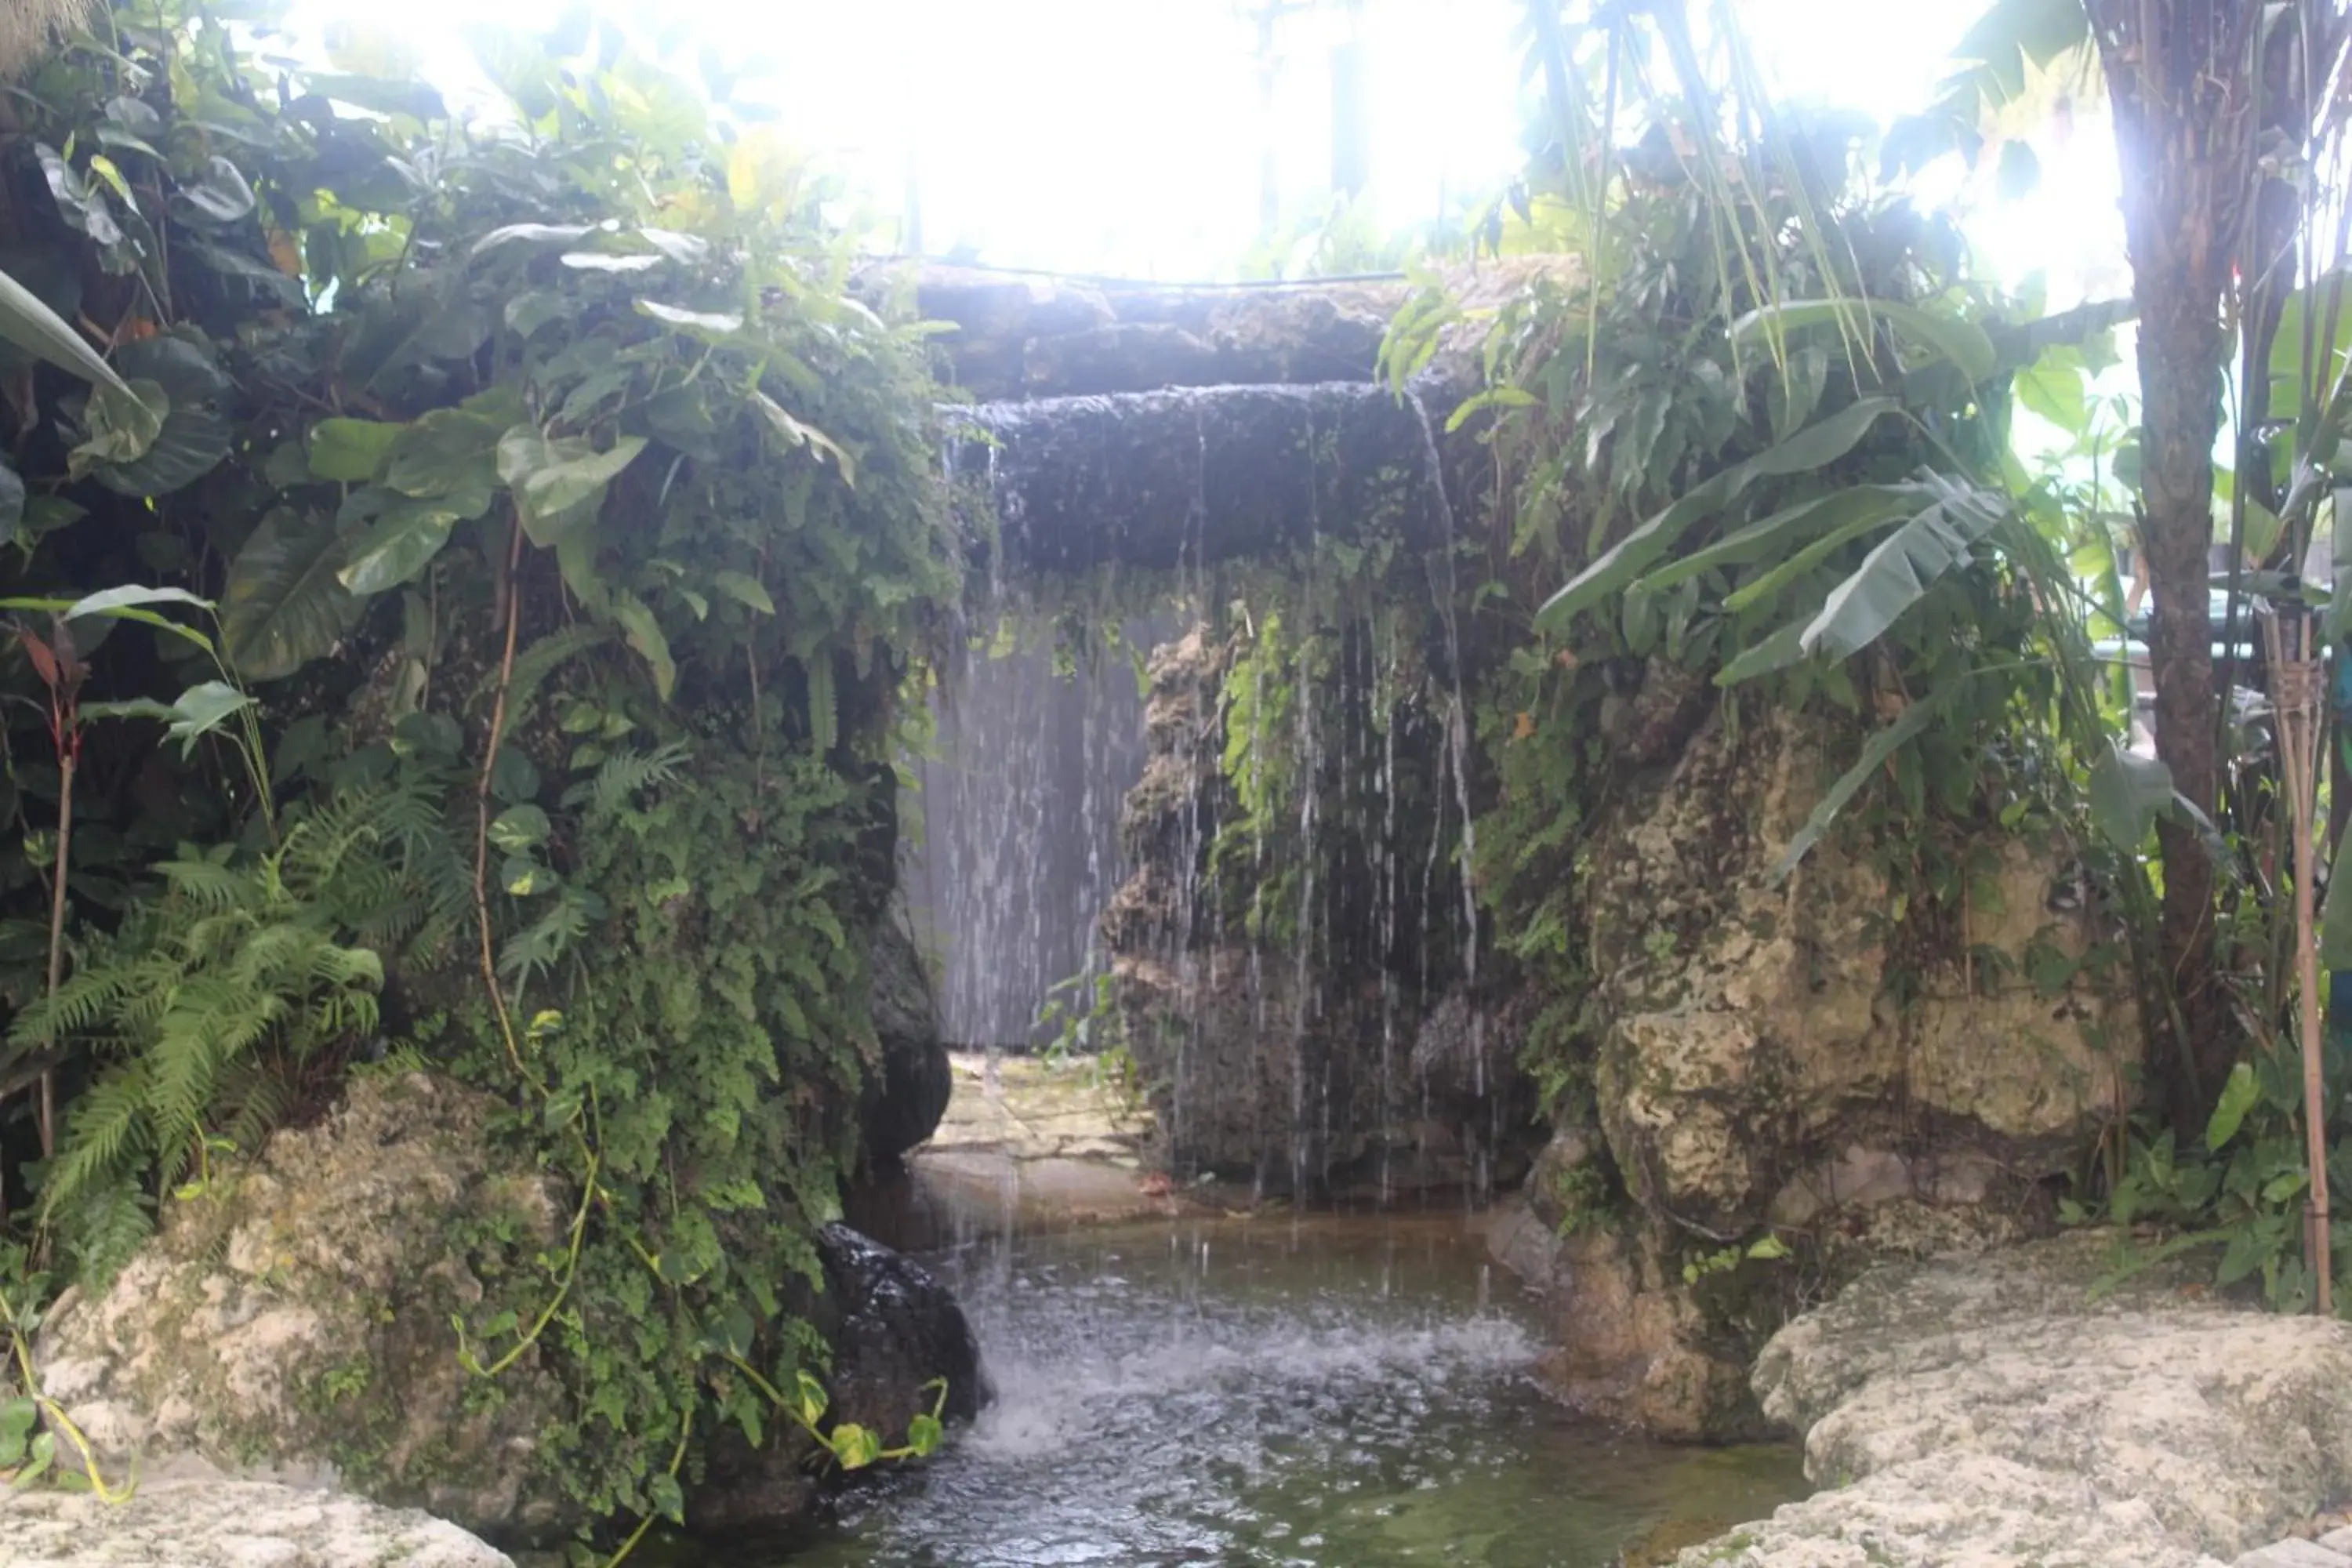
<point>894,1330</point>
<point>907,1093</point>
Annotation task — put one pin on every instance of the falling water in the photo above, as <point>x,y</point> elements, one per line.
<point>1019,798</point>
<point>1447,592</point>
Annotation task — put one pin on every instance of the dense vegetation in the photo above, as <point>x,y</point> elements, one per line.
<point>440,551</point>
<point>1768,446</point>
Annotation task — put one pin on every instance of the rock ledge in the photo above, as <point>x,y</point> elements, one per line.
<point>193,1523</point>
<point>1990,1411</point>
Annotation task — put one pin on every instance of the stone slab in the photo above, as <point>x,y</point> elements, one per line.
<point>227,1524</point>
<point>2294,1554</point>
<point>2001,1410</point>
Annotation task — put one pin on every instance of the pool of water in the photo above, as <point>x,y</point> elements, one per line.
<point>1314,1391</point>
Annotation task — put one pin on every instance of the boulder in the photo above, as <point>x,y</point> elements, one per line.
<point>210,1523</point>
<point>1777,1046</point>
<point>292,1324</point>
<point>894,1330</point>
<point>1629,1345</point>
<point>906,1091</point>
<point>1997,1410</point>
<point>293,1320</point>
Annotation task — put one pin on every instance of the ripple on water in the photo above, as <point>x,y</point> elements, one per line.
<point>1324,1391</point>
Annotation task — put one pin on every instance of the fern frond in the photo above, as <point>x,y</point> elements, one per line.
<point>103,1229</point>
<point>536,663</point>
<point>105,1137</point>
<point>204,884</point>
<point>623,776</point>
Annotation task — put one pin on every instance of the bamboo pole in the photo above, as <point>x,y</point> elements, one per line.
<point>2295,676</point>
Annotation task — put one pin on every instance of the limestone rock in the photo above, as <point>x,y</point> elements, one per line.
<point>1756,1056</point>
<point>294,1321</point>
<point>1990,1411</point>
<point>1629,1346</point>
<point>217,1523</point>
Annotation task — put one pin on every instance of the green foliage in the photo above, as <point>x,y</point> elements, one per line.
<point>710,1001</point>
<point>2239,1192</point>
<point>197,1010</point>
<point>573,524</point>
<point>1753,452</point>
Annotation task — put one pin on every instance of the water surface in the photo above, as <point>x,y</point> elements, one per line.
<point>1323,1390</point>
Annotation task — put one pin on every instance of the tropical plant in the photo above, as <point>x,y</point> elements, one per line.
<point>2230,123</point>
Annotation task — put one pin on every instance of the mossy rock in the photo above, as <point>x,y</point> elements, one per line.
<point>294,1320</point>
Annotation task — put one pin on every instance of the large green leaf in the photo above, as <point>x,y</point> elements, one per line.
<point>645,635</point>
<point>1813,516</point>
<point>196,430</point>
<point>284,606</point>
<point>1901,569</point>
<point>2127,791</point>
<point>401,543</point>
<point>201,709</point>
<point>218,195</point>
<point>557,480</point>
<point>128,602</point>
<point>2336,925</point>
<point>1783,647</point>
<point>46,335</point>
<point>350,450</point>
<point>1846,516</point>
<point>1815,447</point>
<point>2052,388</point>
<point>452,455</point>
<point>1963,343</point>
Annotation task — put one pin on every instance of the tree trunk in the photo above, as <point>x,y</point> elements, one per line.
<point>2180,391</point>
<point>2184,143</point>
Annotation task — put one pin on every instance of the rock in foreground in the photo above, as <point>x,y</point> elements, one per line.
<point>1989,1411</point>
<point>227,1524</point>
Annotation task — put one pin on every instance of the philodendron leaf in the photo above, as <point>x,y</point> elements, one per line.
<point>196,431</point>
<point>401,541</point>
<point>853,1446</point>
<point>220,196</point>
<point>557,480</point>
<point>519,828</point>
<point>283,606</point>
<point>122,427</point>
<point>350,450</point>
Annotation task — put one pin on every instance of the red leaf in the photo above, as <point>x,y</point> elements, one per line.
<point>44,663</point>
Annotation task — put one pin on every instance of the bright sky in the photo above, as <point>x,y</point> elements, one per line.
<point>1124,136</point>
